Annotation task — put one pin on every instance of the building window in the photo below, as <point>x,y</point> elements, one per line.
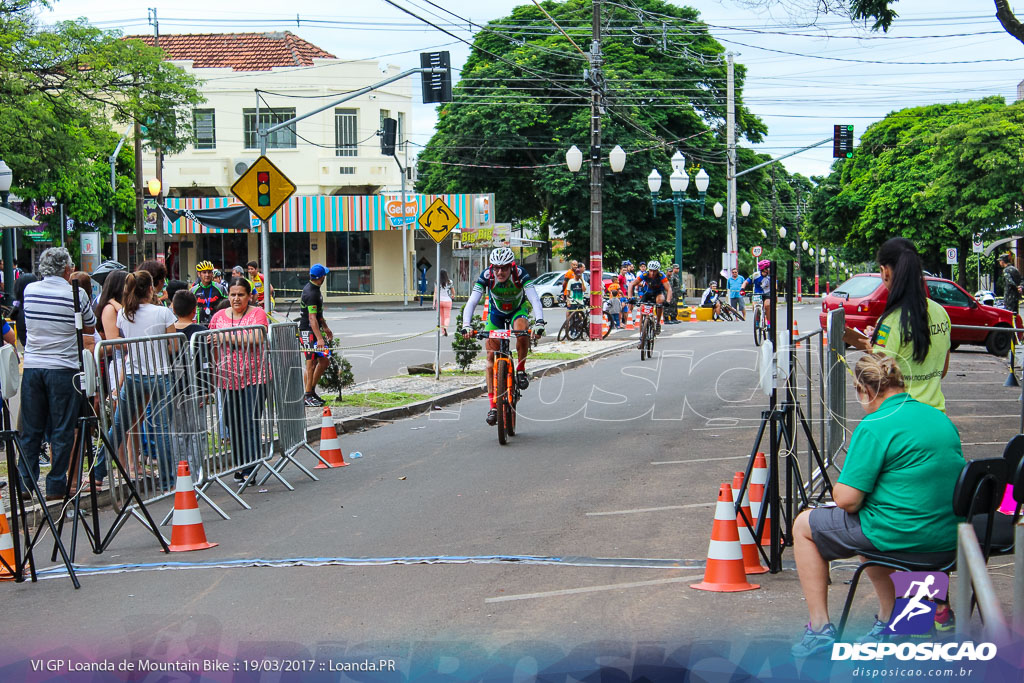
<point>282,139</point>
<point>348,258</point>
<point>347,170</point>
<point>400,133</point>
<point>345,132</point>
<point>384,114</point>
<point>203,123</point>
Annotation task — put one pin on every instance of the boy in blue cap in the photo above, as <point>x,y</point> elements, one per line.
<point>314,333</point>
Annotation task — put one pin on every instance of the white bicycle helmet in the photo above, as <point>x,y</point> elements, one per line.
<point>653,265</point>
<point>502,256</point>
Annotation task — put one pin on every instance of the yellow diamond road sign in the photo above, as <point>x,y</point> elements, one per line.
<point>438,220</point>
<point>263,188</point>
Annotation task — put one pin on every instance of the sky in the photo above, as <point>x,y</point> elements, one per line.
<point>802,78</point>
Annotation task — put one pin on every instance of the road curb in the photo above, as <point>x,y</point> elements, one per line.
<point>377,417</point>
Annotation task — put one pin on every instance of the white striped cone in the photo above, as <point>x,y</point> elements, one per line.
<point>751,558</point>
<point>693,314</point>
<point>187,532</point>
<point>724,571</point>
<point>330,444</point>
<point>758,487</point>
<point>6,544</point>
<point>630,320</point>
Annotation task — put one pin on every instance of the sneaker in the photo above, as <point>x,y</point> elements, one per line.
<point>877,633</point>
<point>492,416</point>
<point>945,620</point>
<point>814,642</point>
<point>657,329</point>
<point>522,380</point>
<point>312,401</point>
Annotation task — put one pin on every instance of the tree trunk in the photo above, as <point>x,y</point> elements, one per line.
<point>1010,23</point>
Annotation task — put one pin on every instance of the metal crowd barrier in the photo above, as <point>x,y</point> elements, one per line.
<point>289,392</point>
<point>1018,578</point>
<point>974,579</point>
<point>149,414</point>
<point>835,386</point>
<point>235,397</point>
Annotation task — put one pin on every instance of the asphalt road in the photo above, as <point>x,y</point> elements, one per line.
<point>615,459</point>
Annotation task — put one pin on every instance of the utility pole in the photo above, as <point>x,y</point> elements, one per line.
<point>775,197</point>
<point>140,228</point>
<point>596,176</point>
<point>160,226</point>
<point>732,237</point>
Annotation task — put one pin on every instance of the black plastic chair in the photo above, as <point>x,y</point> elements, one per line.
<point>978,492</point>
<point>1003,524</point>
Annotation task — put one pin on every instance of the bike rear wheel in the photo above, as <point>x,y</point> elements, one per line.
<point>608,325</point>
<point>758,333</point>
<point>563,331</point>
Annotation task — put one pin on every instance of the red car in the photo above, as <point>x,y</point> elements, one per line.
<point>863,300</point>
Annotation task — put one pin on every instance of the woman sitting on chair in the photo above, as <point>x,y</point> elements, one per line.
<point>895,494</point>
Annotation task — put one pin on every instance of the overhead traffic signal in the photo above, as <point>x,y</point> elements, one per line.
<point>263,188</point>
<point>842,141</point>
<point>387,137</point>
<point>437,87</point>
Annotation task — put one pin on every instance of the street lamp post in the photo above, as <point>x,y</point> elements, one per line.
<point>617,161</point>
<point>719,210</point>
<point>679,181</point>
<point>6,179</point>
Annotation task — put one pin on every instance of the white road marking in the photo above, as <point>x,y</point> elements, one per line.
<point>726,333</point>
<point>685,462</point>
<point>659,509</point>
<point>594,589</point>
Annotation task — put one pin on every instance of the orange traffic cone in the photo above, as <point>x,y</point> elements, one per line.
<point>751,558</point>
<point>796,333</point>
<point>630,325</point>
<point>187,532</point>
<point>693,314</point>
<point>758,485</point>
<point>724,571</point>
<point>6,544</point>
<point>330,445</point>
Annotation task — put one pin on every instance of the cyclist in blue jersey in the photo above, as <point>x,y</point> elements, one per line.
<point>511,295</point>
<point>652,287</point>
<point>762,284</point>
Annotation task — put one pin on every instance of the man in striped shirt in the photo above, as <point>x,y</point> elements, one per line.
<point>49,392</point>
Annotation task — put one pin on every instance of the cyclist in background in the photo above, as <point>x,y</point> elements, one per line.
<point>510,288</point>
<point>653,288</point>
<point>762,285</point>
<point>258,284</point>
<point>575,288</point>
<point>207,292</point>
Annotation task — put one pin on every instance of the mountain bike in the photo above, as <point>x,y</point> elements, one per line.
<point>576,325</point>
<point>761,324</point>
<point>648,322</point>
<point>506,391</point>
<point>730,313</point>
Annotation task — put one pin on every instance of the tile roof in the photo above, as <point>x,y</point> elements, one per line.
<point>239,51</point>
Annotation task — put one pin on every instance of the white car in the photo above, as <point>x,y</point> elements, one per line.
<point>551,285</point>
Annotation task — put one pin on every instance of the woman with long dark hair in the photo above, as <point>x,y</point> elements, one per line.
<point>913,328</point>
<point>443,298</point>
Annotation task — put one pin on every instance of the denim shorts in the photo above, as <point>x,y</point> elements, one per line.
<point>837,533</point>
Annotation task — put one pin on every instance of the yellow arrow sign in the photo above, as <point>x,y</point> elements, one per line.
<point>438,220</point>
<point>263,188</point>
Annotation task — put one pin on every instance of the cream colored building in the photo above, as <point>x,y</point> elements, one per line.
<point>259,79</point>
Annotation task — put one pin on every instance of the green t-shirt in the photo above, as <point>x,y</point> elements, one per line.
<point>923,380</point>
<point>906,458</point>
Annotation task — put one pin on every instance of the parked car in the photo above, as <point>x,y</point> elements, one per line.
<point>551,286</point>
<point>863,300</point>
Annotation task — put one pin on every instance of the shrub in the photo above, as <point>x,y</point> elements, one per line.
<point>466,350</point>
<point>338,373</point>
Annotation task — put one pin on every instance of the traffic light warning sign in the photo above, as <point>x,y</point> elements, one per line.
<point>263,188</point>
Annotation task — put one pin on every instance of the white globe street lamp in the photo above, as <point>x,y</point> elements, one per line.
<point>617,159</point>
<point>574,159</point>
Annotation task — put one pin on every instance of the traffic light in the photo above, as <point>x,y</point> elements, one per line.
<point>842,141</point>
<point>387,137</point>
<point>263,188</point>
<point>437,87</point>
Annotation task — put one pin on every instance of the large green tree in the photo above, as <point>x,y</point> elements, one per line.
<point>522,102</point>
<point>64,91</point>
<point>936,174</point>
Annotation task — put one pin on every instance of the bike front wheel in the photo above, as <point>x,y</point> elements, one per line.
<point>758,332</point>
<point>501,391</point>
<point>645,333</point>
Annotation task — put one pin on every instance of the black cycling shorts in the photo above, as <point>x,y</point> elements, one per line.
<point>650,297</point>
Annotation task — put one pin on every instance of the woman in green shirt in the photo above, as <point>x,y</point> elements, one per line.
<point>882,501</point>
<point>913,328</point>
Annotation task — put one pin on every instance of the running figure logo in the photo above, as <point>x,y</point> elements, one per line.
<point>916,592</point>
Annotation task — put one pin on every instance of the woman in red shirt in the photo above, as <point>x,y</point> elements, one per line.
<point>242,374</point>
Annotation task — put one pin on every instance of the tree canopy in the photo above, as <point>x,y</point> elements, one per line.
<point>936,174</point>
<point>68,92</point>
<point>522,102</point>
